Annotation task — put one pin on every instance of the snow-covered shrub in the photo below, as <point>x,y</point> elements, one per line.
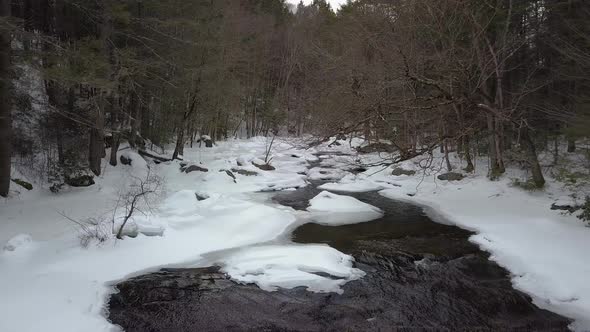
<point>528,185</point>
<point>95,230</point>
<point>92,230</point>
<point>137,196</point>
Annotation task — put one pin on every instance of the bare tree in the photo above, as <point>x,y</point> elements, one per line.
<point>5,100</point>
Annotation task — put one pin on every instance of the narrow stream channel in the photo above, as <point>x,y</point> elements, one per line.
<point>420,275</point>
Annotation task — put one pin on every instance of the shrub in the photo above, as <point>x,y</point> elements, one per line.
<point>585,215</point>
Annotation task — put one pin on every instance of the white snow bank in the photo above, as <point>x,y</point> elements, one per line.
<point>332,209</point>
<point>58,286</point>
<point>360,186</point>
<point>545,251</point>
<point>357,183</point>
<point>289,266</point>
<point>321,173</point>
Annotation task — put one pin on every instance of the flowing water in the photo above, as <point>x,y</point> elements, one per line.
<point>420,276</point>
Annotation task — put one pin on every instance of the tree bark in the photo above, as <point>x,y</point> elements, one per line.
<point>571,145</point>
<point>178,149</point>
<point>5,104</point>
<point>470,168</point>
<point>495,169</point>
<point>96,145</point>
<point>533,161</point>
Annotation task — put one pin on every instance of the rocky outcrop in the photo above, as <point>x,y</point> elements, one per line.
<point>81,178</point>
<point>192,168</point>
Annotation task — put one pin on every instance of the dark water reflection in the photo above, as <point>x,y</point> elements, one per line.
<point>404,225</point>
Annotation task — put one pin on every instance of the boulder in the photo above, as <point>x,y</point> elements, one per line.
<point>125,160</point>
<point>566,203</point>
<point>201,196</point>
<point>244,172</point>
<point>357,170</point>
<point>451,176</point>
<point>262,165</point>
<point>400,171</point>
<point>229,173</point>
<point>193,168</point>
<point>23,184</point>
<point>377,147</point>
<point>80,179</point>
<point>207,140</point>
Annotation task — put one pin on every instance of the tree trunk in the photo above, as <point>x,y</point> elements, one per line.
<point>5,104</point>
<point>96,145</point>
<point>532,159</point>
<point>492,146</point>
<point>556,149</point>
<point>178,149</point>
<point>499,133</point>
<point>571,144</point>
<point>470,168</point>
<point>446,149</point>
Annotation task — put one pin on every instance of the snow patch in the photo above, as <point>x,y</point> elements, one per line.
<point>18,242</point>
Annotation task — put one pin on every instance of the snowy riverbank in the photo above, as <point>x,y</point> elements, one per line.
<point>51,283</point>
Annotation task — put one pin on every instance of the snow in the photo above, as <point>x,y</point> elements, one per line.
<point>357,183</point>
<point>18,242</point>
<point>51,283</point>
<point>331,209</point>
<point>289,266</point>
<point>322,173</point>
<point>56,284</point>
<point>64,286</point>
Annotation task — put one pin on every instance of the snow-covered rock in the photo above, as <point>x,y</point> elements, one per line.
<point>289,266</point>
<point>18,241</point>
<point>331,209</point>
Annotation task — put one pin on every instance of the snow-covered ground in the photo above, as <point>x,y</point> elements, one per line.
<point>50,283</point>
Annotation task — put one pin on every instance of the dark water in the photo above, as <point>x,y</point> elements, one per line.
<point>420,276</point>
<point>404,226</point>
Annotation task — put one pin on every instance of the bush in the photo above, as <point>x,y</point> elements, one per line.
<point>585,215</point>
<point>528,185</point>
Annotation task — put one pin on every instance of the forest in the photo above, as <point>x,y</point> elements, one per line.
<point>476,112</point>
<point>503,78</point>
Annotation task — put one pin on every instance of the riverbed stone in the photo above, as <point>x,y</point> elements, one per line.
<point>398,171</point>
<point>244,172</point>
<point>263,166</point>
<point>195,168</point>
<point>451,176</point>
